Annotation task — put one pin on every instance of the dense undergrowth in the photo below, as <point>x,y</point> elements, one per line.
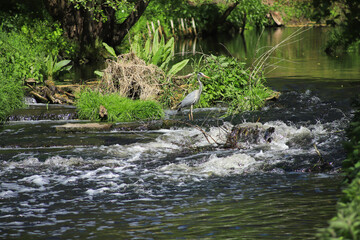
<point>206,14</point>
<point>346,223</point>
<point>25,46</point>
<point>231,84</point>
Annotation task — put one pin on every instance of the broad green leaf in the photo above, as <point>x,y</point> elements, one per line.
<point>99,73</point>
<point>68,68</point>
<point>155,46</point>
<point>147,51</point>
<point>157,55</point>
<point>59,65</point>
<point>162,42</point>
<point>137,50</point>
<point>165,63</point>
<point>177,67</point>
<point>170,44</point>
<point>110,49</point>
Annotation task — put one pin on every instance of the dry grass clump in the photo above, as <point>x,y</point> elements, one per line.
<point>131,77</point>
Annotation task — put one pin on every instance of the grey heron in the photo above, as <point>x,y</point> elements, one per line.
<point>192,98</point>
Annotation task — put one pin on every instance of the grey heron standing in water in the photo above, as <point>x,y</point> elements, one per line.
<point>192,98</point>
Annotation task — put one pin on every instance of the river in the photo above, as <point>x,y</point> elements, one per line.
<point>173,183</point>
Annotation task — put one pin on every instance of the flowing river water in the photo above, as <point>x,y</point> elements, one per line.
<point>173,183</point>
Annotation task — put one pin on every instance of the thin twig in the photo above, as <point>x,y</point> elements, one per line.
<point>207,136</point>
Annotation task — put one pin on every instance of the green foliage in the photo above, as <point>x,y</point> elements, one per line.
<point>159,53</point>
<point>254,11</point>
<point>155,52</point>
<point>346,224</point>
<point>177,67</point>
<point>110,50</point>
<point>120,109</point>
<point>11,95</point>
<point>53,67</point>
<point>97,9</point>
<point>26,48</point>
<point>206,14</point>
<point>24,44</point>
<point>344,16</point>
<point>294,10</point>
<point>351,165</point>
<point>230,83</point>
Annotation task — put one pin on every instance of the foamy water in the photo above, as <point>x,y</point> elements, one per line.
<point>66,184</point>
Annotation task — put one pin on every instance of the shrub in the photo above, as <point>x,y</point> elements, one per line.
<point>11,95</point>
<point>119,109</point>
<point>230,83</point>
<point>24,45</point>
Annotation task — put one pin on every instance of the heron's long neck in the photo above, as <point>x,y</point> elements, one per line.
<point>200,85</point>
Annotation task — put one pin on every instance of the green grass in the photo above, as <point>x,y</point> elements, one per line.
<point>11,95</point>
<point>119,109</point>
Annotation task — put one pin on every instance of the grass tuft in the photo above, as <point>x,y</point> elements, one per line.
<point>119,109</point>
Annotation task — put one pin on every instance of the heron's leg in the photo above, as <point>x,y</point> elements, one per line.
<point>191,112</point>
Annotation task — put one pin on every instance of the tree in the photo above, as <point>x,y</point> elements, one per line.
<point>89,20</point>
<point>343,15</point>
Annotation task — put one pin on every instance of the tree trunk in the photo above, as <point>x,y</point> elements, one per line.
<point>221,20</point>
<point>79,24</point>
<point>122,29</point>
<point>227,13</point>
<point>243,24</point>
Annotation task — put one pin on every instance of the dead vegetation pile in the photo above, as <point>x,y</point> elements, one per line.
<point>129,76</point>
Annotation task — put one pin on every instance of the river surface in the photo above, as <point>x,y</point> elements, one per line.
<point>173,183</point>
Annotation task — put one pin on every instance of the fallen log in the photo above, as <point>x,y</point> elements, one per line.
<point>83,127</point>
<point>38,97</point>
<point>50,93</point>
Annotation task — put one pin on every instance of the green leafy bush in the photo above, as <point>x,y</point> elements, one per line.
<point>24,45</point>
<point>11,96</point>
<point>205,13</point>
<point>53,67</point>
<point>119,109</point>
<point>159,53</point>
<point>253,12</point>
<point>230,84</point>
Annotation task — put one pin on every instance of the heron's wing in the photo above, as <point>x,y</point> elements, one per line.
<point>190,99</point>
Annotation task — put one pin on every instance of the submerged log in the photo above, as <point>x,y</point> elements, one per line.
<point>83,127</point>
<point>38,97</point>
<point>250,133</point>
<point>126,126</point>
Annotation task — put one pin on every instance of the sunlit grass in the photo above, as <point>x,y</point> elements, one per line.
<point>119,109</point>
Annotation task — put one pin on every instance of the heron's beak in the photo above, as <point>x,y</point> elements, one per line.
<point>205,76</point>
